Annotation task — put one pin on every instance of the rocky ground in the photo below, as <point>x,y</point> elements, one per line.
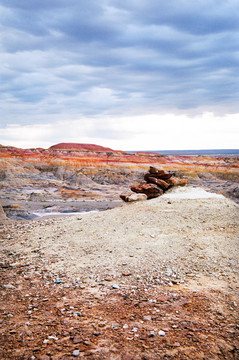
<point>150,280</point>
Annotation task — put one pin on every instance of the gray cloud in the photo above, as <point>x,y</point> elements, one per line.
<point>69,58</point>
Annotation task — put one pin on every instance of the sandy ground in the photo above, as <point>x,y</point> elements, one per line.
<point>148,280</point>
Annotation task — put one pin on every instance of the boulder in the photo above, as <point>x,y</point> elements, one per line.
<point>175,181</point>
<point>153,180</point>
<point>151,190</point>
<point>133,197</point>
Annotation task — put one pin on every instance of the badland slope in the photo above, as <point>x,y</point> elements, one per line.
<point>67,172</point>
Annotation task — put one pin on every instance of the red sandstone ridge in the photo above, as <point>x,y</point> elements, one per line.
<point>76,146</point>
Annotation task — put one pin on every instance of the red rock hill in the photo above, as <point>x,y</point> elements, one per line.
<point>76,146</point>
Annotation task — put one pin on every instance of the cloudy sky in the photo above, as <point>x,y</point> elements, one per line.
<point>131,75</point>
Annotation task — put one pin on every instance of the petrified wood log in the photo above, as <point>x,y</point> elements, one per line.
<point>160,174</point>
<point>133,197</point>
<point>153,180</point>
<point>151,190</point>
<point>175,181</point>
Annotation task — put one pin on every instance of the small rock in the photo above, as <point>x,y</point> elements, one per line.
<point>115,286</point>
<point>77,313</point>
<point>77,339</point>
<point>52,338</point>
<point>147,318</point>
<point>161,333</point>
<point>126,274</point>
<point>58,281</point>
<point>115,326</point>
<point>151,334</point>
<point>168,272</point>
<point>76,353</point>
<point>9,286</point>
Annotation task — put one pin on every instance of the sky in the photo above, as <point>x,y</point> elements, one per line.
<point>130,75</point>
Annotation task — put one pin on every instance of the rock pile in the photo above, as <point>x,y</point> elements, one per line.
<point>157,181</point>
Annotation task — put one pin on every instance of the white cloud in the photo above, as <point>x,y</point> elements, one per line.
<point>146,132</point>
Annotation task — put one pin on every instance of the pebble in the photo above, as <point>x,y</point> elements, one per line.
<point>76,353</point>
<point>115,286</point>
<point>168,272</point>
<point>58,281</point>
<point>52,337</point>
<point>151,334</point>
<point>147,318</point>
<point>114,326</point>
<point>161,333</point>
<point>77,313</point>
<point>9,286</point>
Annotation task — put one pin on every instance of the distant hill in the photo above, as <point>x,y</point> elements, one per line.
<point>76,146</point>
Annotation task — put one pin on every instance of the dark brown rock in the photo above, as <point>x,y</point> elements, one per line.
<point>151,190</point>
<point>159,173</point>
<point>153,180</point>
